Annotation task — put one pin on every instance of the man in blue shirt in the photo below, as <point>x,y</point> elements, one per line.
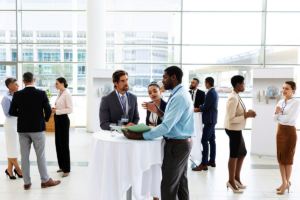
<point>209,119</point>
<point>177,128</point>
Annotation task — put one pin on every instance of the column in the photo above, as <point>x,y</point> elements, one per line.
<point>74,47</point>
<point>95,49</point>
<point>8,54</point>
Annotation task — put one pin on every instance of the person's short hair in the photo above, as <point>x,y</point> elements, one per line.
<point>153,83</point>
<point>210,81</point>
<point>63,80</point>
<point>117,75</point>
<point>292,84</point>
<point>237,79</point>
<point>9,81</point>
<point>196,80</point>
<point>174,70</point>
<point>28,77</point>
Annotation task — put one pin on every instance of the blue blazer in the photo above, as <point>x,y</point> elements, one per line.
<point>210,107</point>
<point>163,106</point>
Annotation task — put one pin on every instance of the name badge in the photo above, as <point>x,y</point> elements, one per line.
<point>125,118</point>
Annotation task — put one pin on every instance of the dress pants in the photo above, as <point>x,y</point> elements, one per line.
<point>38,139</point>
<point>208,136</point>
<point>174,184</point>
<point>62,127</point>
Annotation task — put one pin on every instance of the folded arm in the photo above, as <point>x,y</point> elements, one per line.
<point>292,114</point>
<point>231,111</point>
<point>69,106</point>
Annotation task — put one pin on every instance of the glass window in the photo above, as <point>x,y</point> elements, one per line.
<point>7,24</point>
<point>221,28</point>
<point>282,29</point>
<point>8,4</point>
<point>53,27</point>
<point>53,5</point>
<point>222,5</point>
<point>282,55</point>
<point>221,54</point>
<point>143,28</point>
<point>6,71</point>
<point>166,5</point>
<point>286,5</point>
<point>143,54</point>
<point>6,52</point>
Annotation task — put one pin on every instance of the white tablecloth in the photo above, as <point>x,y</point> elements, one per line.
<point>196,152</point>
<point>116,164</point>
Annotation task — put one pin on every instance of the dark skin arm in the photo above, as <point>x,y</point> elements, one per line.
<point>133,135</point>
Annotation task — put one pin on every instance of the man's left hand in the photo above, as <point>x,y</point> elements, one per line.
<point>53,110</point>
<point>132,135</point>
<point>129,124</point>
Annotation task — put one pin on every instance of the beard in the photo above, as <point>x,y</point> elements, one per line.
<point>125,89</point>
<point>192,87</point>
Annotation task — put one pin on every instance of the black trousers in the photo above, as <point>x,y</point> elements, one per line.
<point>174,184</point>
<point>62,127</point>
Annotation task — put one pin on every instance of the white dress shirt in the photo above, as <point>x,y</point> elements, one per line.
<point>64,104</point>
<point>194,97</point>
<point>290,112</point>
<point>120,99</point>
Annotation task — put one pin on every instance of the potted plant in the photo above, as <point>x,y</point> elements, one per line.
<point>50,125</point>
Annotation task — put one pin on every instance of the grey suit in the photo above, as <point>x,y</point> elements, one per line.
<point>111,110</point>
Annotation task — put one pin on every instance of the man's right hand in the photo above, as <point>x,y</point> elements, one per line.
<point>278,110</point>
<point>150,107</point>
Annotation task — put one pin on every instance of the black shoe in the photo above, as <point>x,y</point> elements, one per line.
<point>11,177</point>
<point>16,173</point>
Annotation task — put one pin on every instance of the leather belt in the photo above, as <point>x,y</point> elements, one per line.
<point>178,141</point>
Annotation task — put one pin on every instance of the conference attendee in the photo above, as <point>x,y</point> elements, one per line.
<point>119,104</point>
<point>63,107</point>
<point>209,119</point>
<point>286,115</point>
<point>162,90</point>
<point>152,119</point>
<point>177,127</point>
<point>197,95</point>
<point>30,105</point>
<point>235,122</point>
<point>10,130</point>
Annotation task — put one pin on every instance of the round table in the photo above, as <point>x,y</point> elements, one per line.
<point>196,152</point>
<point>116,164</point>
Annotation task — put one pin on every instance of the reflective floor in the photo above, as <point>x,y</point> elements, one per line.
<point>260,174</point>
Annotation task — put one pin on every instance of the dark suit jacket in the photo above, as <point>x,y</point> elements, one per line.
<point>29,105</point>
<point>163,106</point>
<point>200,96</point>
<point>210,107</point>
<point>111,110</point>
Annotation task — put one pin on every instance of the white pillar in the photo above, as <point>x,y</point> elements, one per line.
<point>95,51</point>
<point>74,30</point>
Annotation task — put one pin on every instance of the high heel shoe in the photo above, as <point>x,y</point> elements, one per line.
<point>235,191</point>
<point>240,185</point>
<point>11,177</point>
<point>286,188</point>
<point>16,173</point>
<point>278,189</point>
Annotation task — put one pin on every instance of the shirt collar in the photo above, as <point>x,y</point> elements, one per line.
<point>176,88</point>
<point>120,93</point>
<point>30,86</point>
<point>9,94</point>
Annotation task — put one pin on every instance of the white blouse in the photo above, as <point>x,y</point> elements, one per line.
<point>64,104</point>
<point>153,118</point>
<point>290,112</point>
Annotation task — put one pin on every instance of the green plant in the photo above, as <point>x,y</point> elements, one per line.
<point>49,95</point>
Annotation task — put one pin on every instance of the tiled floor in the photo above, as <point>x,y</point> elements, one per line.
<point>260,174</point>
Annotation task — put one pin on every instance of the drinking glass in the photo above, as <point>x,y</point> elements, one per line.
<point>112,130</point>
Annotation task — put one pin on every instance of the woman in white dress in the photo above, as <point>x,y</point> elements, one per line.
<point>10,129</point>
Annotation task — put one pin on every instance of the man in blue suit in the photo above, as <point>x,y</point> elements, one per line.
<point>209,119</point>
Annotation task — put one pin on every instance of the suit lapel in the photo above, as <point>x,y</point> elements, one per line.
<point>117,101</point>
